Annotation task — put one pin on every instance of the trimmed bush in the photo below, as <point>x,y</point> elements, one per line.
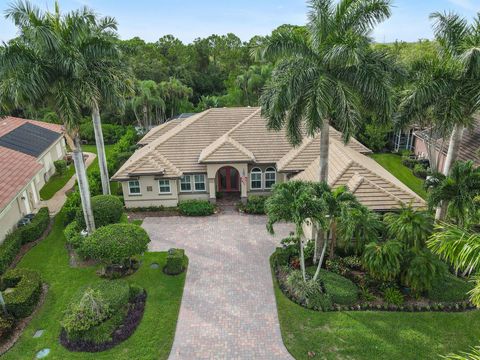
<point>196,208</point>
<point>60,166</point>
<point>255,205</point>
<point>27,288</point>
<point>72,206</point>
<point>9,249</point>
<point>450,289</point>
<point>420,171</point>
<point>72,234</point>
<point>176,262</point>
<point>107,209</point>
<point>36,227</point>
<point>341,290</point>
<point>6,325</point>
<point>115,244</point>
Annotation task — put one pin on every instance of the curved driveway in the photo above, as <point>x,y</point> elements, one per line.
<point>228,308</point>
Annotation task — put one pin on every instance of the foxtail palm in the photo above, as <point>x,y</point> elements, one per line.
<point>41,65</point>
<point>329,74</point>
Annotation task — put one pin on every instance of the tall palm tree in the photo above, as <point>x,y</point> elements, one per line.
<point>43,65</point>
<point>148,104</point>
<point>174,92</point>
<point>329,75</point>
<point>457,192</point>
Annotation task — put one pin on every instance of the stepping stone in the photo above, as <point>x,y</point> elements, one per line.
<point>38,333</point>
<point>154,266</point>
<point>42,353</point>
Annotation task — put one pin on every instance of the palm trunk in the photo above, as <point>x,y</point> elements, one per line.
<point>333,243</point>
<point>324,147</point>
<point>452,155</point>
<point>302,259</point>
<point>320,261</point>
<point>431,147</point>
<point>102,158</point>
<point>83,185</point>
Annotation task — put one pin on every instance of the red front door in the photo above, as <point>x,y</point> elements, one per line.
<point>228,180</point>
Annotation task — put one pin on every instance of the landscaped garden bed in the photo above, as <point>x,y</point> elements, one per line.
<point>255,205</point>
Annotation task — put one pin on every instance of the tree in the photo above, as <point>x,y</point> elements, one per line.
<point>41,66</point>
<point>175,93</point>
<point>148,104</point>
<point>458,192</point>
<point>327,74</point>
<point>252,81</point>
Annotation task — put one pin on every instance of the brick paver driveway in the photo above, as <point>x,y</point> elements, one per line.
<point>228,308</point>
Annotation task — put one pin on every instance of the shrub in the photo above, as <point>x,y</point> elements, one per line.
<point>111,133</point>
<point>94,182</point>
<point>115,244</point>
<point>36,227</point>
<point>341,290</point>
<point>422,270</point>
<point>196,208</point>
<point>255,205</point>
<point>409,162</point>
<point>449,289</point>
<point>6,325</point>
<point>336,266</point>
<point>300,289</point>
<point>71,207</point>
<point>60,166</point>
<point>27,288</point>
<point>72,234</point>
<point>9,249</point>
<point>383,260</point>
<point>420,171</point>
<point>107,209</point>
<point>375,136</point>
<point>176,262</point>
<point>393,296</point>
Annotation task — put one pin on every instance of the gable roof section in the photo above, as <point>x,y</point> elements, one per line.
<point>226,148</point>
<point>29,139</point>
<point>373,185</point>
<point>16,171</point>
<point>159,130</point>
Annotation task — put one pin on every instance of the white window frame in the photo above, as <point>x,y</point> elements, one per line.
<point>256,170</point>
<point>195,182</point>
<point>268,171</point>
<point>189,182</point>
<point>130,188</point>
<point>167,184</point>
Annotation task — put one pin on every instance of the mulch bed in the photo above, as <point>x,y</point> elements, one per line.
<point>131,321</point>
<point>22,324</point>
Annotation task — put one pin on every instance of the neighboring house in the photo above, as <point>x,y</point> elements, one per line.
<point>230,150</point>
<point>28,149</point>
<point>469,146</point>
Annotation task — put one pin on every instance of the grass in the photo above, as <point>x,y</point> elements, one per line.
<point>152,339</point>
<point>374,335</point>
<point>393,163</point>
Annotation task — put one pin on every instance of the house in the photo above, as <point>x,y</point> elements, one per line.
<point>230,150</point>
<point>28,149</point>
<point>469,146</point>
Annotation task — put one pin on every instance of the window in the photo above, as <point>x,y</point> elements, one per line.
<point>134,187</point>
<point>199,182</point>
<point>270,177</point>
<point>256,178</point>
<point>186,183</point>
<point>164,186</point>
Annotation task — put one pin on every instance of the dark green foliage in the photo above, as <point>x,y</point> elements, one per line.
<point>9,249</point>
<point>94,181</point>
<point>115,244</point>
<point>422,269</point>
<point>72,234</point>
<point>375,136</point>
<point>107,209</point>
<point>409,161</point>
<point>383,260</point>
<point>420,171</point>
<point>255,205</point>
<point>124,145</point>
<point>111,133</point>
<point>60,166</point>
<point>6,325</point>
<point>196,208</point>
<point>341,290</point>
<point>27,288</point>
<point>71,206</point>
<point>393,296</point>
<point>449,289</point>
<point>36,227</point>
<point>176,262</point>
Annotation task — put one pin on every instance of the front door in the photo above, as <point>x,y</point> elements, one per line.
<point>228,179</point>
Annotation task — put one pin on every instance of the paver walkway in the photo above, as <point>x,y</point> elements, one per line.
<point>228,308</point>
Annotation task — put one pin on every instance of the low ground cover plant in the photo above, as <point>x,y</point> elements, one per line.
<point>196,208</point>
<point>255,205</point>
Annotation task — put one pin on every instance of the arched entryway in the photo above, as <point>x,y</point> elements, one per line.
<point>228,181</point>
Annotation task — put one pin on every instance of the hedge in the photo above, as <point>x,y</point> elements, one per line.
<point>107,209</point>
<point>176,262</point>
<point>36,227</point>
<point>9,250</point>
<point>196,208</point>
<point>341,290</point>
<point>60,167</point>
<point>255,205</point>
<point>6,325</point>
<point>111,133</point>
<point>27,289</point>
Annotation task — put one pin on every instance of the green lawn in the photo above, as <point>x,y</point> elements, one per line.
<point>55,183</point>
<point>393,163</point>
<point>374,335</point>
<point>152,339</point>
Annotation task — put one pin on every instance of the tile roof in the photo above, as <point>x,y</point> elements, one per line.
<point>219,135</point>
<point>16,171</point>
<point>9,123</point>
<point>29,139</point>
<point>372,184</point>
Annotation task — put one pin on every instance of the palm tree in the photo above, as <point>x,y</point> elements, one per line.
<point>252,81</point>
<point>409,226</point>
<point>148,104</point>
<point>174,92</point>
<point>41,65</point>
<point>329,75</point>
<point>457,192</point>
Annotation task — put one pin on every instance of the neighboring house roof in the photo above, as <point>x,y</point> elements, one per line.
<point>21,142</point>
<point>219,135</point>
<point>372,184</point>
<point>469,146</point>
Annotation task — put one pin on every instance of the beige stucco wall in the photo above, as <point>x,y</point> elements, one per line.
<point>150,194</point>
<point>55,152</point>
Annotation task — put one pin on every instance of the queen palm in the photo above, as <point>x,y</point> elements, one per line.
<point>148,104</point>
<point>43,65</point>
<point>328,74</point>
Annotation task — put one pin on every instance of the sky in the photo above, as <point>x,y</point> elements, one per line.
<point>189,19</point>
